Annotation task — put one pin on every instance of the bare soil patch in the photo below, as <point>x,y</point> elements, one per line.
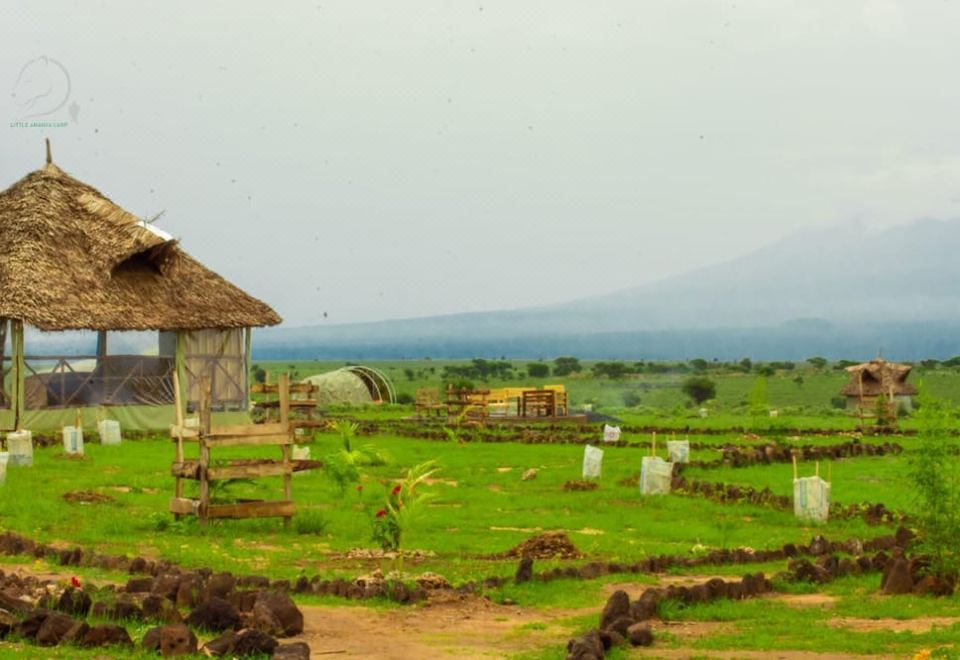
<point>920,624</point>
<point>87,497</point>
<point>456,627</point>
<point>549,545</point>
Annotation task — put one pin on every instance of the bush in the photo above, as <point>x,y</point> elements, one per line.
<point>936,476</point>
<point>564,366</point>
<point>538,370</point>
<point>631,399</point>
<point>699,389</point>
<point>405,398</point>
<point>310,522</point>
<point>838,402</point>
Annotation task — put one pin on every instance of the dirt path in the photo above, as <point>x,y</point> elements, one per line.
<point>468,628</point>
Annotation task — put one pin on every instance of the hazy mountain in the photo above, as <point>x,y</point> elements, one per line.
<point>854,287</point>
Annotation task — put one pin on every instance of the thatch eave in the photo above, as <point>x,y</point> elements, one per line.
<point>75,260</point>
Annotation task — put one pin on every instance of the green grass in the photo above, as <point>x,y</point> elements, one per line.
<point>482,507</point>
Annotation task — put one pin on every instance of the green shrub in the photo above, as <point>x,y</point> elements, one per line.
<point>936,477</point>
<point>310,522</point>
<point>699,389</point>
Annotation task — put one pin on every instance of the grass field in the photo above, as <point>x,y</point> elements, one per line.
<point>480,507</point>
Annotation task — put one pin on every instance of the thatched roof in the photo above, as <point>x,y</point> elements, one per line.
<point>72,259</point>
<point>879,377</point>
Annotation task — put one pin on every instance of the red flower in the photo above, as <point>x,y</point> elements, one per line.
<point>74,582</point>
<point>381,513</point>
<point>395,491</point>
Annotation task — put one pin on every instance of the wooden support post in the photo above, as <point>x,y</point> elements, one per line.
<point>793,458</point>
<point>178,404</point>
<point>653,444</point>
<point>205,405</point>
<point>284,394</point>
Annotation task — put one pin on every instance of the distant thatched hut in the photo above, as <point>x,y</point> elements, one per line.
<point>878,377</point>
<point>76,264</point>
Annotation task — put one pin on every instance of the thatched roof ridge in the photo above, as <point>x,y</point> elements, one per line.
<point>72,259</point>
<point>879,377</point>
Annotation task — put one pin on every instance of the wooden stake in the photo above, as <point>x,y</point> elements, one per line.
<point>284,392</point>
<point>177,403</point>
<point>49,156</point>
<point>205,404</point>
<point>793,457</point>
<point>817,469</point>
<point>653,445</point>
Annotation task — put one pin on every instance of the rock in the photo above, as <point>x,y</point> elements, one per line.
<point>220,586</point>
<point>215,615</point>
<point>529,474</point>
<point>188,590</point>
<point>296,651</point>
<point>137,565</point>
<point>253,642</point>
<point>30,626</point>
<point>618,605</point>
<point>640,634</point>
<point>176,640</point>
<point>158,608</point>
<point>166,586</point>
<point>151,639</point>
<point>242,643</point>
<point>8,622</point>
<point>221,645</point>
<point>106,634</point>
<point>611,638</point>
<point>74,602</point>
<point>139,585</point>
<point>524,570</point>
<point>588,646</point>
<point>897,578</point>
<point>646,606</point>
<point>54,628</point>
<point>124,609</point>
<point>276,614</point>
<point>244,600</point>
<point>819,545</point>
<point>620,625</point>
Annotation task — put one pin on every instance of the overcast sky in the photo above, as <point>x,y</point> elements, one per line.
<point>374,160</point>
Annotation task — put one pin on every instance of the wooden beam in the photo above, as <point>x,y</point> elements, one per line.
<point>252,510</point>
<point>246,430</point>
<point>247,440</point>
<point>184,506</point>
<point>248,471</point>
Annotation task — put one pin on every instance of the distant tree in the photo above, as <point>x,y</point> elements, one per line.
<point>564,366</point>
<point>765,370</point>
<point>817,362</point>
<point>612,370</point>
<point>930,364</point>
<point>409,373</point>
<point>699,389</point>
<point>631,399</point>
<point>404,398</point>
<point>699,364</point>
<point>840,365</point>
<point>952,362</point>
<point>798,381</point>
<point>259,374</point>
<point>538,370</point>
<point>746,364</point>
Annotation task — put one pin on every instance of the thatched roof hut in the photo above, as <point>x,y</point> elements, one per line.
<point>74,260</point>
<point>871,379</point>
